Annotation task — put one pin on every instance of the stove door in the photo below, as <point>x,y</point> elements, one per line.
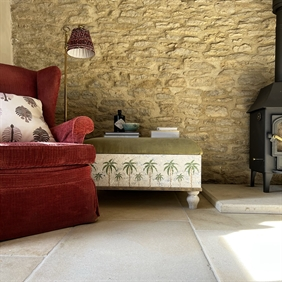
<point>277,133</point>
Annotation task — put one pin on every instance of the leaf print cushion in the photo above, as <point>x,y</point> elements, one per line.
<point>21,120</point>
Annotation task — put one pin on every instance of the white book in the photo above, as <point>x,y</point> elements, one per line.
<point>122,136</point>
<point>164,134</point>
<point>121,133</point>
<point>167,128</point>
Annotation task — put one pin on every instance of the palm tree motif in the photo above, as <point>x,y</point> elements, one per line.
<point>138,178</point>
<point>93,166</point>
<point>11,134</point>
<point>24,113</point>
<point>149,168</point>
<point>40,135</point>
<point>108,167</point>
<point>170,168</point>
<point>180,178</point>
<point>118,177</point>
<point>128,167</point>
<point>5,97</point>
<point>97,177</point>
<point>159,178</point>
<point>191,168</point>
<point>30,101</point>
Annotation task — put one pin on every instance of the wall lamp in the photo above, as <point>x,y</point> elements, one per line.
<point>79,45</point>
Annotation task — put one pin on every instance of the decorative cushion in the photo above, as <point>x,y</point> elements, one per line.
<point>21,120</point>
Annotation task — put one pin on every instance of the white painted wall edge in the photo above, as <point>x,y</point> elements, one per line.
<point>6,49</point>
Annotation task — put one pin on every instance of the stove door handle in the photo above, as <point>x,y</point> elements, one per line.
<point>275,137</point>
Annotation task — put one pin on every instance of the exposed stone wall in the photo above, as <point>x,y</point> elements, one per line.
<point>197,65</point>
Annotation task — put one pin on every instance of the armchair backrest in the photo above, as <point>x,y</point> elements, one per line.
<point>43,85</point>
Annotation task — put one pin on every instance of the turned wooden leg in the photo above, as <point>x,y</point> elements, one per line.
<point>193,199</point>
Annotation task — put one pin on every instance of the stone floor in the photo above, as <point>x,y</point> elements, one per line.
<point>153,236</point>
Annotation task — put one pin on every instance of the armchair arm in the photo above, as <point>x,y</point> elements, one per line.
<point>74,130</point>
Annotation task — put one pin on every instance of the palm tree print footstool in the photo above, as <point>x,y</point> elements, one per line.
<point>171,164</point>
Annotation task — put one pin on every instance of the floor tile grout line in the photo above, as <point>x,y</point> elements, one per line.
<point>203,250</point>
<point>205,254</point>
<point>199,241</point>
<point>48,254</point>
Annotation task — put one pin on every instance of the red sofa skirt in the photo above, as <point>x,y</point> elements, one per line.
<point>36,196</point>
<point>46,201</point>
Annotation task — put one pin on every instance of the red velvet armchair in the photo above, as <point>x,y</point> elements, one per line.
<point>45,186</point>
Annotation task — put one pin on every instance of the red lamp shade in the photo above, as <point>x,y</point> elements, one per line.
<point>80,44</point>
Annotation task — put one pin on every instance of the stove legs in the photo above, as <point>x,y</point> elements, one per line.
<point>266,180</point>
<point>253,175</point>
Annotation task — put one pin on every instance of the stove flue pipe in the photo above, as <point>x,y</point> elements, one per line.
<point>277,10</point>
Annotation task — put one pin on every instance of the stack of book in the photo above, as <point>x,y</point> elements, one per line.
<point>165,132</point>
<point>122,134</point>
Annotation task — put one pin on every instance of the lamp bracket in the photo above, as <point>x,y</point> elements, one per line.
<point>66,29</point>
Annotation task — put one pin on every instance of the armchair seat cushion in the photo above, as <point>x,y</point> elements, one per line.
<point>22,155</point>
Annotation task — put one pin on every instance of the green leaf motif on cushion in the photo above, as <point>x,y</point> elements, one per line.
<point>40,135</point>
<point>11,134</point>
<point>24,113</point>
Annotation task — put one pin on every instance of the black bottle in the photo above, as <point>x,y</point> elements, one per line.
<point>118,117</point>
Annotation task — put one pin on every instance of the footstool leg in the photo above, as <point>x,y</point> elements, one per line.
<point>193,199</point>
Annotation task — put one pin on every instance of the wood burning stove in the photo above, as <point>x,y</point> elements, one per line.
<point>266,118</point>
